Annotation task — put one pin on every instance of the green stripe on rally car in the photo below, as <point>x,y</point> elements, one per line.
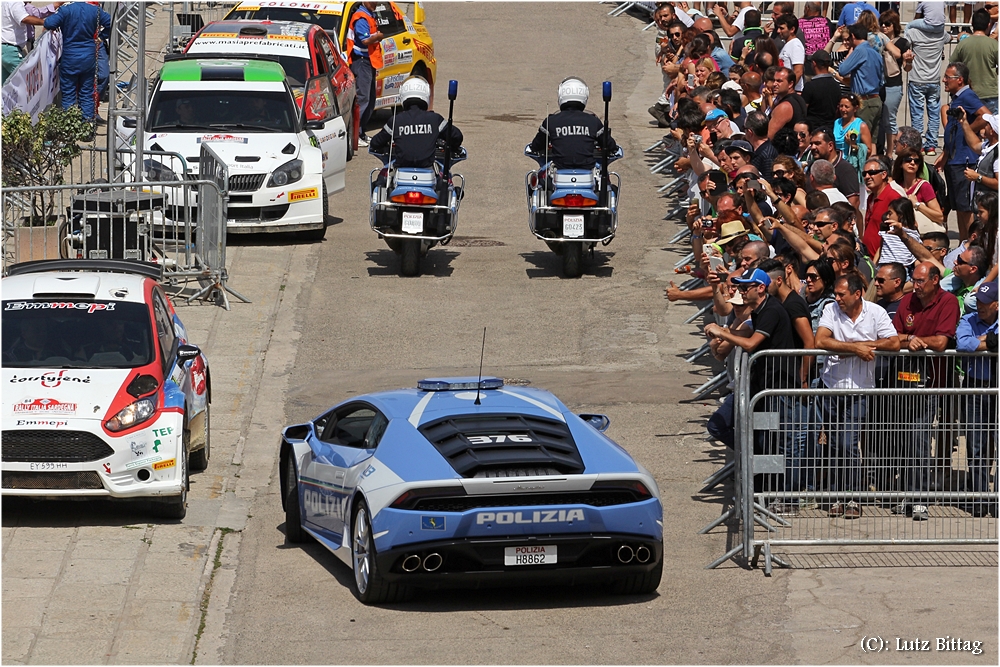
<point>191,70</point>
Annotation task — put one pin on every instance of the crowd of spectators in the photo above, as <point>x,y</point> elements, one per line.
<point>818,222</point>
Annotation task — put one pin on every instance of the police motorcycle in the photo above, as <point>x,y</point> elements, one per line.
<point>574,209</point>
<point>413,209</point>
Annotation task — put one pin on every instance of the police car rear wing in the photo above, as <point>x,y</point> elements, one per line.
<point>148,269</point>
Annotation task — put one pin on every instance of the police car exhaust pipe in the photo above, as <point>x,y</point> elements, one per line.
<point>411,563</point>
<point>625,553</point>
<point>433,562</point>
<point>642,554</point>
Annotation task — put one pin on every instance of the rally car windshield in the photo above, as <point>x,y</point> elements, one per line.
<point>64,333</point>
<point>329,22</point>
<point>243,110</point>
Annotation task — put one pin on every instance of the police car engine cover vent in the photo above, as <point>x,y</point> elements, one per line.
<point>477,445</point>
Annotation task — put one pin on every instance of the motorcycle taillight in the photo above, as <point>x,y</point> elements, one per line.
<point>414,198</point>
<point>573,201</point>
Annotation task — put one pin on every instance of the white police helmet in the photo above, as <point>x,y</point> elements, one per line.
<point>415,88</point>
<point>573,90</point>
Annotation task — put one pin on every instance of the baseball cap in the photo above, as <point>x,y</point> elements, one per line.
<point>736,299</point>
<point>715,114</point>
<point>991,120</point>
<point>742,146</point>
<point>751,276</point>
<point>987,293</point>
<point>822,57</point>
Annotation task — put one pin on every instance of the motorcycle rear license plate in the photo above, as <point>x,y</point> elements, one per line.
<point>533,555</point>
<point>413,223</point>
<point>573,226</point>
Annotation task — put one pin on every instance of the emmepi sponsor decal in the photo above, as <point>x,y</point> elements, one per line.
<point>303,195</point>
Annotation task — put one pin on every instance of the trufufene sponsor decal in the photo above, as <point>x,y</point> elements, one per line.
<point>302,195</point>
<point>51,379</point>
<point>89,306</point>
<point>44,406</point>
<point>146,461</point>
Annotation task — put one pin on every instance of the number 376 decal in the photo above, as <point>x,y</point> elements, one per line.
<point>491,439</point>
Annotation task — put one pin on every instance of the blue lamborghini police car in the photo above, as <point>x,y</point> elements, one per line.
<point>463,482</point>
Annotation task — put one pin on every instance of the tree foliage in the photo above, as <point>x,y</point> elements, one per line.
<point>38,154</point>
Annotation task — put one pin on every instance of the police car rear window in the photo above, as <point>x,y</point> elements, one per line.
<point>235,110</point>
<point>73,333</point>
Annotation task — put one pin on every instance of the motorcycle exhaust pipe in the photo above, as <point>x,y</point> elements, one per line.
<point>433,562</point>
<point>642,554</point>
<point>625,554</point>
<point>411,563</point>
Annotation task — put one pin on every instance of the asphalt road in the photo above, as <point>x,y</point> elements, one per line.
<point>97,584</point>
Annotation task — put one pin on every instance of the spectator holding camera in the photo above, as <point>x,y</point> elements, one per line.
<point>985,174</point>
<point>958,156</point>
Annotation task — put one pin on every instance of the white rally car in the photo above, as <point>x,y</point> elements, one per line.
<point>284,162</point>
<point>103,396</point>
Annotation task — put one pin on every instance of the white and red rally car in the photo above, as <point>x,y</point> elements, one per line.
<point>102,393</point>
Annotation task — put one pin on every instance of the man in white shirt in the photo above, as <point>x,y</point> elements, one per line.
<point>854,329</point>
<point>14,34</point>
<point>793,53</point>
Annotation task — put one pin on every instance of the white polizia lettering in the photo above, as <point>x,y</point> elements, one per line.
<point>538,516</point>
<point>571,130</point>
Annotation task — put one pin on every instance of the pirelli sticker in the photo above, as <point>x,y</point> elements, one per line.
<point>289,38</point>
<point>303,195</point>
<point>904,376</point>
<point>163,465</point>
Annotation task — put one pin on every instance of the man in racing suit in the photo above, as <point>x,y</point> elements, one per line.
<point>574,135</point>
<point>414,132</point>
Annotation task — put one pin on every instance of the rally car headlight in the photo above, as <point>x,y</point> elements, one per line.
<point>131,415</point>
<point>157,171</point>
<point>286,174</point>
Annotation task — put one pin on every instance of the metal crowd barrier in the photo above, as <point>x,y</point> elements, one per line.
<point>909,462</point>
<point>175,222</point>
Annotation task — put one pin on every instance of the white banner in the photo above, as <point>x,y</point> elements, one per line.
<point>35,83</point>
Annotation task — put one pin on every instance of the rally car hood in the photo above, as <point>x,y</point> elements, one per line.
<point>38,394</point>
<point>242,153</point>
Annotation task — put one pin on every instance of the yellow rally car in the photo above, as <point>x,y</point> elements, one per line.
<point>407,49</point>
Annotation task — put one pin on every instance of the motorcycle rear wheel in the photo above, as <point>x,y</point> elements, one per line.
<point>410,257</point>
<point>572,259</point>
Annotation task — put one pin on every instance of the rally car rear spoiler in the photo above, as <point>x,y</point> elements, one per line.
<point>149,269</point>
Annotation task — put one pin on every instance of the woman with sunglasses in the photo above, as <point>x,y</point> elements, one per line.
<point>786,167</point>
<point>909,163</point>
<point>895,47</point>
<point>818,288</point>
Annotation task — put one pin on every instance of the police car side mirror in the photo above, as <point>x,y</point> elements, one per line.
<point>452,89</point>
<point>315,125</point>
<point>129,122</point>
<point>607,91</point>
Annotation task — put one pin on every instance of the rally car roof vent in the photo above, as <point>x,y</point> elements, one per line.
<point>82,286</point>
<point>253,31</point>
<point>477,444</point>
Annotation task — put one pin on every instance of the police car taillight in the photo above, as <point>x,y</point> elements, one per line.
<point>409,499</point>
<point>633,486</point>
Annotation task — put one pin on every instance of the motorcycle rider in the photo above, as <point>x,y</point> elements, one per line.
<point>573,134</point>
<point>415,131</point>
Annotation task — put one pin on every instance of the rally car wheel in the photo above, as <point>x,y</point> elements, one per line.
<point>175,507</point>
<point>639,584</point>
<point>199,458</point>
<point>350,138</point>
<point>293,514</point>
<point>317,235</point>
<point>369,587</point>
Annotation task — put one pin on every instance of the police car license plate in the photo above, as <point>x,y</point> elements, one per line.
<point>413,223</point>
<point>534,555</point>
<point>573,226</point>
